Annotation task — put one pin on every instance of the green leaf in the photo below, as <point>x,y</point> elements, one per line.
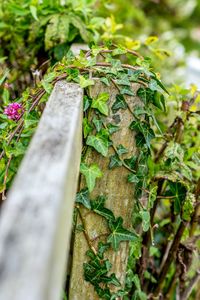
<point>47,86</point>
<point>119,51</point>
<point>87,128</point>
<point>160,84</point>
<point>133,178</point>
<point>178,190</point>
<point>123,80</point>
<point>6,72</point>
<point>105,81</point>
<point>100,103</point>
<point>33,11</point>
<point>91,173</point>
<point>112,128</point>
<point>127,91</point>
<point>119,233</point>
<point>145,129</point>
<point>134,75</point>
<point>102,247</point>
<point>97,123</point>
<point>97,206</point>
<point>121,150</point>
<point>119,103</point>
<point>83,198</point>
<point>99,142</point>
<point>112,279</point>
<point>131,162</point>
<point>159,101</point>
<point>145,216</point>
<point>87,102</point>
<point>114,161</point>
<point>142,94</point>
<point>188,206</point>
<point>152,196</point>
<point>84,82</point>
<point>57,31</point>
<point>135,248</point>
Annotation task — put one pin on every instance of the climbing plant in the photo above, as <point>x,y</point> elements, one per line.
<point>36,34</point>
<point>164,173</point>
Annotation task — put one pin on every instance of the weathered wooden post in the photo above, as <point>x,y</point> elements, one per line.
<point>119,194</point>
<point>35,224</point>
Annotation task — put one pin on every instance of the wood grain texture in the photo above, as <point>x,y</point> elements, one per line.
<point>119,194</point>
<point>35,225</point>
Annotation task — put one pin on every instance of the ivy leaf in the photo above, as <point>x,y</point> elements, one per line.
<point>119,51</point>
<point>123,80</point>
<point>140,140</point>
<point>145,216</point>
<point>97,123</point>
<point>159,101</point>
<point>178,190</point>
<point>103,293</point>
<point>127,91</point>
<point>100,103</point>
<point>83,198</point>
<point>99,142</point>
<point>87,128</point>
<point>119,103</point>
<point>159,83</point>
<point>136,247</point>
<point>84,82</point>
<point>114,161</point>
<point>145,129</point>
<point>112,279</point>
<point>142,94</point>
<point>133,178</point>
<point>119,233</point>
<point>131,162</point>
<point>152,196</point>
<point>112,128</point>
<point>154,86</point>
<point>134,75</point>
<point>102,247</point>
<point>121,150</point>
<point>87,102</point>
<point>47,86</point>
<point>91,173</point>
<point>105,81</point>
<point>98,207</point>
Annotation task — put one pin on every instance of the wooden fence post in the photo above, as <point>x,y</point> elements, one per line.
<point>35,224</point>
<point>120,199</point>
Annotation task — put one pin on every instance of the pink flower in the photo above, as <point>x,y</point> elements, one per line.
<point>14,111</point>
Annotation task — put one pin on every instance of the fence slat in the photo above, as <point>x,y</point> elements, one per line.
<point>36,219</point>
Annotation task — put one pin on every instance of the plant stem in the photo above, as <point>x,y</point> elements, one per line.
<point>170,257</point>
<point>85,232</point>
<point>186,293</point>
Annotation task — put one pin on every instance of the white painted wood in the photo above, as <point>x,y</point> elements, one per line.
<point>35,225</point>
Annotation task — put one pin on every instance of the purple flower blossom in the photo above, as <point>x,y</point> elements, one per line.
<point>14,111</point>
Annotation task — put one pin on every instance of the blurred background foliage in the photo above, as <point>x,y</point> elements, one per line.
<point>32,32</point>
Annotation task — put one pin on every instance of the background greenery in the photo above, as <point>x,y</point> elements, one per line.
<point>36,35</point>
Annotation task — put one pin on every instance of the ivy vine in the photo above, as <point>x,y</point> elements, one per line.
<point>171,179</point>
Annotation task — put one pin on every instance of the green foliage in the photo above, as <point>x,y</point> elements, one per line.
<point>119,233</point>
<point>91,173</point>
<point>164,173</point>
<point>34,31</point>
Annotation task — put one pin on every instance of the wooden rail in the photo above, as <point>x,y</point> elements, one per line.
<point>35,224</point>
